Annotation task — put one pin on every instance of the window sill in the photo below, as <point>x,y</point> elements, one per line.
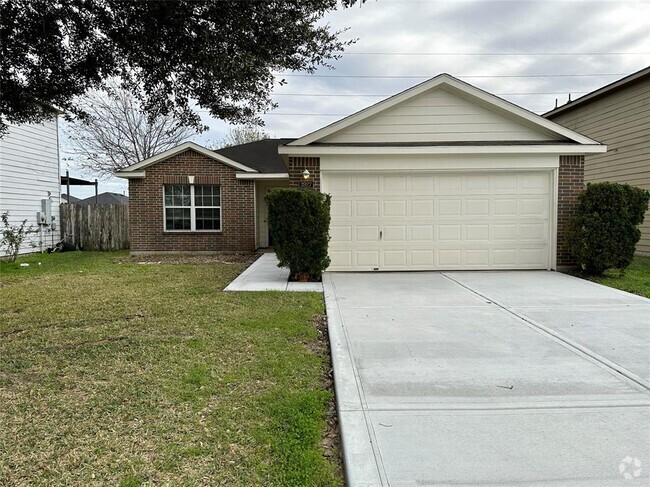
<point>192,231</point>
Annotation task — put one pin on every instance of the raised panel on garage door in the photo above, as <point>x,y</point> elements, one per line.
<point>439,221</point>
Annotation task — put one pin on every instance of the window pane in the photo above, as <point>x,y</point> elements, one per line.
<point>178,219</point>
<point>207,195</point>
<point>177,195</point>
<point>208,219</point>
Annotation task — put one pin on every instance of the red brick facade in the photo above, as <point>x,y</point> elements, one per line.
<point>146,220</point>
<point>238,200</point>
<point>570,183</point>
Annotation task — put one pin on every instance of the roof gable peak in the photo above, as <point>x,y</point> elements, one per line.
<point>459,88</point>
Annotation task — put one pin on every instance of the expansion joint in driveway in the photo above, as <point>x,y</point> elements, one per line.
<point>560,338</point>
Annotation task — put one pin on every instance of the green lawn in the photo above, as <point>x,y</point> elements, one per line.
<point>119,373</point>
<point>636,278</point>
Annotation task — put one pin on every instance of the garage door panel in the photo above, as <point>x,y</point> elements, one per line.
<point>367,258</point>
<point>477,207</point>
<point>533,182</point>
<point>532,256</point>
<point>503,231</point>
<point>504,257</point>
<point>394,208</point>
<point>536,232</point>
<point>424,184</point>
<point>340,259</point>
<point>503,182</point>
<point>422,259</point>
<point>450,258</point>
<point>341,208</point>
<point>450,207</point>
<point>477,258</point>
<point>341,233</point>
<point>367,233</point>
<point>535,207</point>
<point>394,184</point>
<point>439,221</point>
<point>394,233</point>
<point>448,184</point>
<point>450,232</point>
<point>394,259</point>
<point>368,208</point>
<point>477,232</point>
<point>421,233</point>
<point>366,184</point>
<point>504,206</point>
<point>422,208</point>
<point>477,184</point>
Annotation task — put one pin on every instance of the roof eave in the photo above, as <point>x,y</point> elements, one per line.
<point>560,149</point>
<point>139,166</point>
<point>131,174</point>
<point>599,93</point>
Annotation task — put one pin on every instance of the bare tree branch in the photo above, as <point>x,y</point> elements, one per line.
<point>117,133</point>
<point>242,135</point>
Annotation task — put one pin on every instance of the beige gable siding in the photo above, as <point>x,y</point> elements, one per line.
<point>622,121</point>
<point>437,116</point>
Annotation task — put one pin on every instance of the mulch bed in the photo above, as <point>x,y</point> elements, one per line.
<point>247,259</point>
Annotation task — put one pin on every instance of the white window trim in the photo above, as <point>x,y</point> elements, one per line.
<point>192,208</point>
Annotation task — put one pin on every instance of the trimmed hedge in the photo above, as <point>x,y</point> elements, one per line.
<point>299,222</point>
<point>604,232</point>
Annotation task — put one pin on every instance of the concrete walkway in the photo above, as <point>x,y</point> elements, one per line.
<point>265,275</point>
<point>490,378</point>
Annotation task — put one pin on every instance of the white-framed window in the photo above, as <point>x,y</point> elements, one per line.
<point>192,207</point>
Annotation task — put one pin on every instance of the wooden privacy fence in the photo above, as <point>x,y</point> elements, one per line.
<point>95,227</point>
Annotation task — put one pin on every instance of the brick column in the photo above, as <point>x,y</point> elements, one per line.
<point>570,183</point>
<point>298,164</point>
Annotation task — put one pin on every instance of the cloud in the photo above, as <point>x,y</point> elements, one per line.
<point>486,27</point>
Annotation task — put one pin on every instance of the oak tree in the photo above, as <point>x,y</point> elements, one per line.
<point>171,55</point>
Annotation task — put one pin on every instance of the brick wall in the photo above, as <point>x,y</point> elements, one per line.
<point>146,207</point>
<point>570,183</point>
<point>298,164</point>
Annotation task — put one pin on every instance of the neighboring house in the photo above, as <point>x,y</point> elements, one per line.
<point>440,176</point>
<point>69,199</point>
<point>106,198</point>
<point>29,180</point>
<point>617,115</point>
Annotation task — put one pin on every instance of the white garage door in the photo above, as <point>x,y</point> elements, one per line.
<point>424,221</point>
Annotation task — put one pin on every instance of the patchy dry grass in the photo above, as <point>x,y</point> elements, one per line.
<point>635,279</point>
<point>118,373</point>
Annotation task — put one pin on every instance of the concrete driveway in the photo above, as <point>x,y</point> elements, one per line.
<point>490,378</point>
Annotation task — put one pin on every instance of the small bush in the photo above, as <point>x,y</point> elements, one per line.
<point>604,232</point>
<point>13,236</point>
<point>299,222</point>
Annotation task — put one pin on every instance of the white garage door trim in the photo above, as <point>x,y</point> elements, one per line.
<point>433,220</point>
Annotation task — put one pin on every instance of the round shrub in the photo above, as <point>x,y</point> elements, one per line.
<point>604,231</point>
<point>299,222</point>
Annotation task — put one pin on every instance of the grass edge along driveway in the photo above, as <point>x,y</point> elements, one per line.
<point>115,372</point>
<point>635,279</point>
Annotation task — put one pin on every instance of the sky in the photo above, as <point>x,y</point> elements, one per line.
<point>528,52</point>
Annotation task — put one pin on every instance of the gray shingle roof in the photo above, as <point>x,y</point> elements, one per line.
<point>105,199</point>
<point>261,155</point>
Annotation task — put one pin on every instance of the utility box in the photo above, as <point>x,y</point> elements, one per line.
<point>45,217</point>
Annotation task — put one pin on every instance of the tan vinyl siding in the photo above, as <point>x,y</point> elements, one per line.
<point>437,116</point>
<point>622,121</point>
